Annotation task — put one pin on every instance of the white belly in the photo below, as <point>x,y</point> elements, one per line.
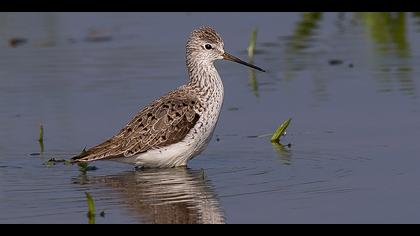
<point>170,156</point>
<point>178,154</point>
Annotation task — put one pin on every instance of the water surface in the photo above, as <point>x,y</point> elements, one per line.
<point>349,81</point>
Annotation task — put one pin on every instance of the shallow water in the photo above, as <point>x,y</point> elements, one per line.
<point>349,81</point>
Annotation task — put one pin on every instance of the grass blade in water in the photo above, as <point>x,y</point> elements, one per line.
<point>91,208</point>
<point>280,131</point>
<point>41,138</point>
<point>251,49</point>
<point>252,42</point>
<point>41,133</point>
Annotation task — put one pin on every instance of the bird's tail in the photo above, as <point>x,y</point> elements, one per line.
<point>82,157</point>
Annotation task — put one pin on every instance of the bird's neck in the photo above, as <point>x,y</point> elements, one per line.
<point>204,79</point>
<point>202,73</point>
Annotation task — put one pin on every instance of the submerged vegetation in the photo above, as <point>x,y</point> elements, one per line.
<point>84,167</point>
<point>53,161</point>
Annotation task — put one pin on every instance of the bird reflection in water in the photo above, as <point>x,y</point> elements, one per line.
<point>166,196</point>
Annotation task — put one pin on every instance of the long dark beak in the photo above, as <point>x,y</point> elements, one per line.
<point>229,57</point>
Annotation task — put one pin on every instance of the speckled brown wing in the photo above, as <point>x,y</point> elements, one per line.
<point>164,122</point>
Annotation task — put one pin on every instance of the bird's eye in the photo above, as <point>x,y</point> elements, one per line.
<point>208,46</point>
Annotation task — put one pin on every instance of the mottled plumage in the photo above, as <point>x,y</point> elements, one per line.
<point>177,126</point>
<point>164,122</point>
